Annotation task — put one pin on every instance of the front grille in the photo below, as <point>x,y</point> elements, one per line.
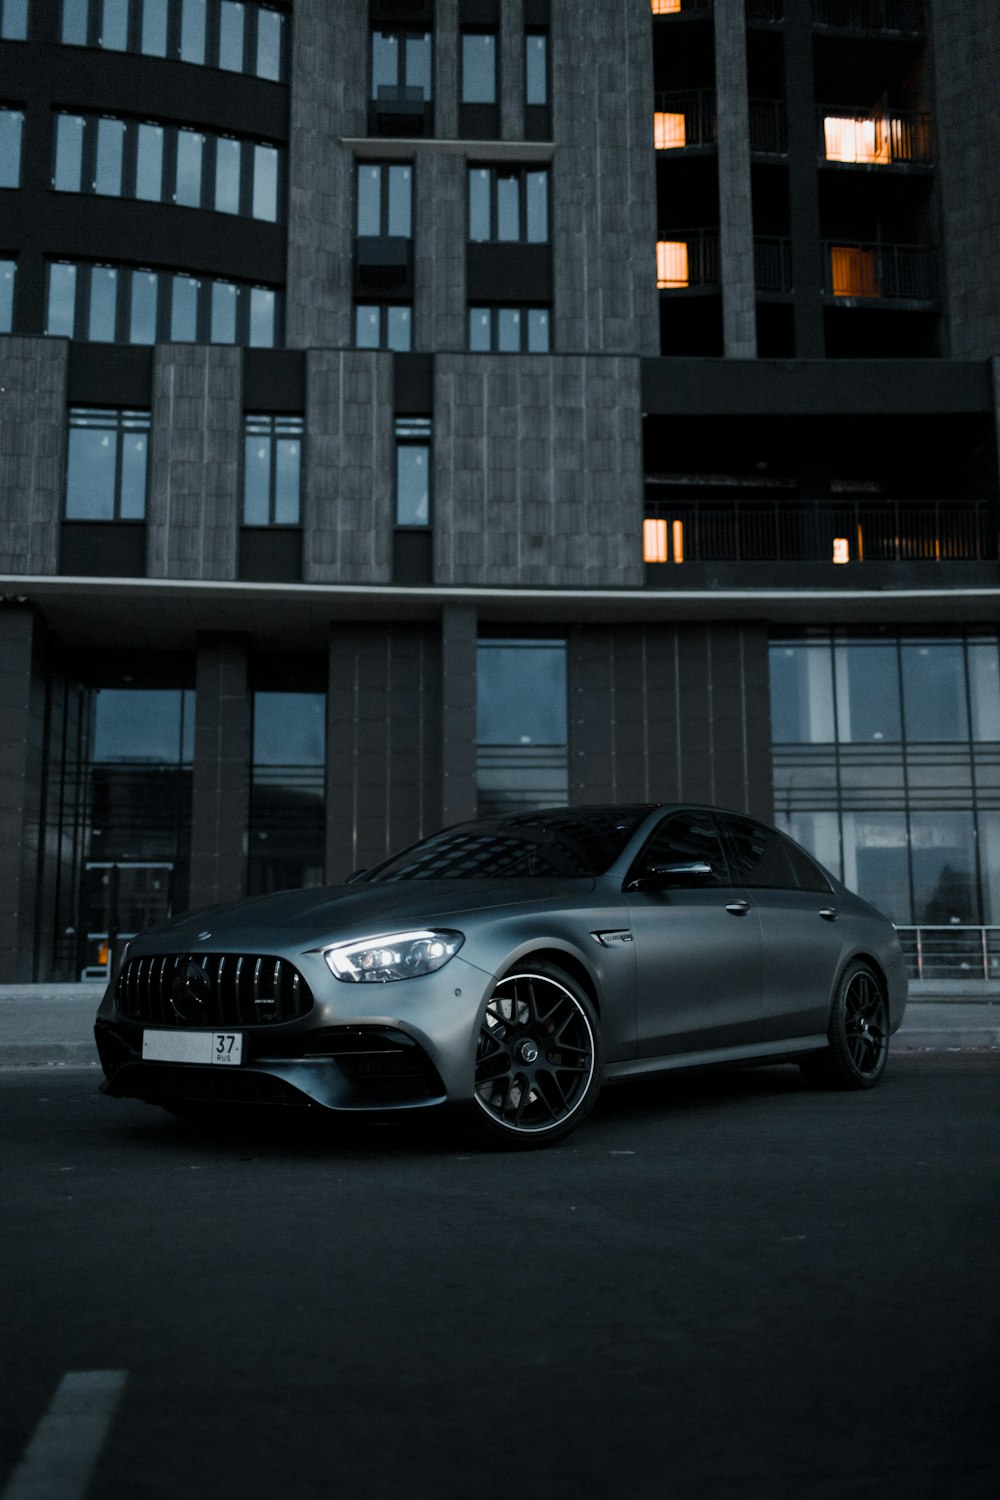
<point>212,989</point>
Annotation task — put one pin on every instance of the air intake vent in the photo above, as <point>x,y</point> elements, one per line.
<point>212,989</point>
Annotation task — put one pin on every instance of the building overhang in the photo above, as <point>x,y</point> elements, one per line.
<point>169,614</point>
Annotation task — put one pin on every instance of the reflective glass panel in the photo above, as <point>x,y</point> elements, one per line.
<point>537,206</point>
<point>479,67</point>
<point>538,330</point>
<point>15,20</point>
<point>190,146</point>
<point>366,326</point>
<point>984,688</point>
<point>135,457</point>
<point>231,26</point>
<point>142,314</point>
<point>934,695</point>
<point>412,484</point>
<point>876,861</point>
<point>802,695</point>
<point>479,203</point>
<point>942,850</point>
<point>102,321</point>
<point>257,479</point>
<point>8,272</point>
<point>399,328</point>
<point>508,205</point>
<point>114,25</point>
<point>11,122</point>
<point>139,724</point>
<point>61,313</point>
<point>287,479</point>
<point>108,167</point>
<point>270,30</point>
<point>69,152</point>
<point>227,175</point>
<point>989,863</point>
<point>289,729</point>
<point>193,15</point>
<point>184,310</point>
<point>149,163</point>
<point>385,61</point>
<point>479,330</point>
<point>418,64</point>
<point>867,693</point>
<point>263,317</point>
<point>521,691</point>
<point>400,195</point>
<point>818,832</point>
<point>90,474</point>
<point>74,22</point>
<point>153,37</point>
<point>508,330</point>
<point>369,200</point>
<point>536,69</point>
<point>224,298</point>
<point>265,183</point>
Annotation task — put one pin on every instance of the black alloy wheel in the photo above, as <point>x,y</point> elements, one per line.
<point>538,1059</point>
<point>859,1035</point>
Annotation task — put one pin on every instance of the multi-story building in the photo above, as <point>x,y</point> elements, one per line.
<point>416,406</point>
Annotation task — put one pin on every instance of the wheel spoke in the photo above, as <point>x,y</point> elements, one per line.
<point>535,1055</point>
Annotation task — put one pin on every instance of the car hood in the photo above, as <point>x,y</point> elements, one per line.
<point>332,913</point>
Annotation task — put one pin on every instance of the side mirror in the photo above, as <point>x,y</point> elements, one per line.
<point>691,872</point>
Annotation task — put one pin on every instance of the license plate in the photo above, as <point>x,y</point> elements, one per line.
<point>225,1047</point>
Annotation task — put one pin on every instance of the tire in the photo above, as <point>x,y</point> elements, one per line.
<point>859,1035</point>
<point>539,1060</point>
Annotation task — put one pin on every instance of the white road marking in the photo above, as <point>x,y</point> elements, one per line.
<point>63,1450</point>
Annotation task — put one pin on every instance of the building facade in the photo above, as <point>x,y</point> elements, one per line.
<point>416,407</point>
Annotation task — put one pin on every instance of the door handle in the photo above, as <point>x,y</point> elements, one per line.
<point>737,908</point>
<point>828,913</point>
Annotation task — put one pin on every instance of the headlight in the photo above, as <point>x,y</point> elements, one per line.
<point>397,955</point>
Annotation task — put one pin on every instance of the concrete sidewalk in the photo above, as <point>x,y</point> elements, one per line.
<point>51,1025</point>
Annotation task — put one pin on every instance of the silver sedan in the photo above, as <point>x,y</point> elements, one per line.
<point>507,968</point>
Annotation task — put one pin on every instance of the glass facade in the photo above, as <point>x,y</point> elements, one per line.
<point>11,127</point>
<point>887,767</point>
<point>287,791</point>
<point>272,470</point>
<point>238,38</point>
<point>107,464</point>
<point>138,305</point>
<point>522,750</point>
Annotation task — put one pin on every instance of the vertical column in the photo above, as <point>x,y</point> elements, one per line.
<point>32,448</point>
<point>739,311</point>
<point>445,82</point>
<point>458,713</point>
<point>22,752</point>
<point>512,70</point>
<point>803,180</point>
<point>220,804</point>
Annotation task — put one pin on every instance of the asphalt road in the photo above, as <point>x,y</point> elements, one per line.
<point>721,1286</point>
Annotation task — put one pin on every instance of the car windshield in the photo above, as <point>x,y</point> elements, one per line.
<point>571,843</point>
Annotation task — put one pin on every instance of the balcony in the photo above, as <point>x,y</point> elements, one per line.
<point>687,259</point>
<point>684,120</point>
<point>860,137</point>
<point>870,15</point>
<point>772,265</point>
<point>858,532</point>
<point>768,127</point>
<point>875,272</point>
<point>400,110</point>
<point>679,7</point>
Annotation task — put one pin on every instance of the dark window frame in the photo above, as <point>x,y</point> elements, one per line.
<point>508,170</point>
<point>251,35</point>
<point>18,112</point>
<point>402,34</point>
<point>413,433</point>
<point>383,309</point>
<point>385,168</point>
<point>480,31</point>
<point>121,421</point>
<point>278,426</point>
<point>524,310</point>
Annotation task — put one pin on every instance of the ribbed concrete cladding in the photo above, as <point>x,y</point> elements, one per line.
<point>32,448</point>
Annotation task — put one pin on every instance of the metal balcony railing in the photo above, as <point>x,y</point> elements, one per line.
<point>772,264</point>
<point>684,118</point>
<point>769,127</point>
<point>863,137</point>
<point>687,258</point>
<point>852,532</point>
<point>871,15</point>
<point>895,272</point>
<point>950,953</point>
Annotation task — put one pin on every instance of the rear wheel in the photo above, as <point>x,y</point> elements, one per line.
<point>538,1060</point>
<point>859,1035</point>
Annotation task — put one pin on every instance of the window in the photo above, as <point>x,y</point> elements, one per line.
<point>11,125</point>
<point>383,325</point>
<point>13,20</point>
<point>413,471</point>
<point>536,69</point>
<point>385,200</point>
<point>140,305</point>
<point>287,792</point>
<point>509,204</point>
<point>107,464</point>
<point>758,855</point>
<point>237,37</point>
<point>479,67</point>
<point>672,264</point>
<point>8,276</point>
<point>401,65</point>
<point>509,330</point>
<point>522,749</point>
<point>272,470</point>
<point>164,164</point>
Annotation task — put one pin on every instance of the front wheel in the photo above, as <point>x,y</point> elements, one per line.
<point>538,1060</point>
<point>859,1035</point>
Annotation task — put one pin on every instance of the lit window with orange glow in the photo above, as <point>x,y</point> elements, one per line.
<point>671,263</point>
<point>677,534</point>
<point>841,549</point>
<point>665,7</point>
<point>654,541</point>
<point>669,131</point>
<point>849,139</point>
<point>854,272</point>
